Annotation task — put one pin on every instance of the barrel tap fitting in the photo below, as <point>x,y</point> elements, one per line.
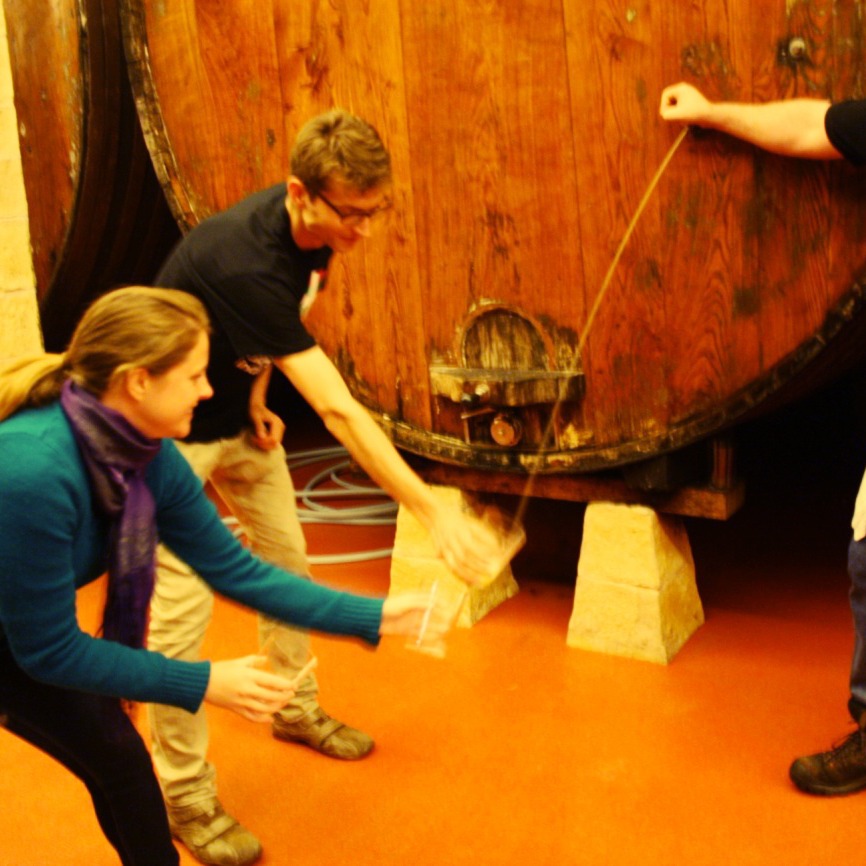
<point>506,430</point>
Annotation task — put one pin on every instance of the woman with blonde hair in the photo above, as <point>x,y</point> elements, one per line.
<point>90,481</point>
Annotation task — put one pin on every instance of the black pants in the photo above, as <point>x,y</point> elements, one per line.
<point>94,739</point>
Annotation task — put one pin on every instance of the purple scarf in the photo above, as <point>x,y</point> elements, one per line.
<point>116,456</point>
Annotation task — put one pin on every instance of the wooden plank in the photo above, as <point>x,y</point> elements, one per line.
<point>688,501</point>
<point>52,142</point>
<point>793,225</point>
<point>612,72</point>
<point>493,157</point>
<point>712,348</point>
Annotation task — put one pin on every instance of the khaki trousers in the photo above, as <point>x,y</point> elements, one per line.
<point>257,488</point>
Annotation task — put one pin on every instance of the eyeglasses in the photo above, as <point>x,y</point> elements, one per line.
<point>355,216</point>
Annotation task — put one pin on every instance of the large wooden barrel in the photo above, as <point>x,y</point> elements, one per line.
<point>97,214</point>
<point>524,135</point>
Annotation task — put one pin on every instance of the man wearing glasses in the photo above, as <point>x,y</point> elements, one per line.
<point>257,267</point>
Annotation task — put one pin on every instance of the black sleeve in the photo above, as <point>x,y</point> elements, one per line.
<point>845,124</point>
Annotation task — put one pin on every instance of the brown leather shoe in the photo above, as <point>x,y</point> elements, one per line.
<point>326,735</point>
<point>212,835</point>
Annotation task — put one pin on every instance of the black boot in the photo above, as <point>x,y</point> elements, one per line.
<point>842,770</point>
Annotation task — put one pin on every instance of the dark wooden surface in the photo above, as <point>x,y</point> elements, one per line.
<point>524,136</point>
<point>98,217</point>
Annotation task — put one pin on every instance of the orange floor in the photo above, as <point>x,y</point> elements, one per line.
<point>517,749</point>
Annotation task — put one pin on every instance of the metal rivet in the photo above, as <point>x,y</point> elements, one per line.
<point>797,48</point>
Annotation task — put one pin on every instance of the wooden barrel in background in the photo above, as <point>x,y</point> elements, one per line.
<point>97,214</point>
<point>524,136</point>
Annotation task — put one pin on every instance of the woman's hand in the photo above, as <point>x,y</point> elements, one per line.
<point>242,686</point>
<point>412,613</point>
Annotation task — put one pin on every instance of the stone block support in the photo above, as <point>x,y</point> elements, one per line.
<point>636,594</point>
<point>415,564</point>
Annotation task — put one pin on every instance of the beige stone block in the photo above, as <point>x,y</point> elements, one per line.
<point>20,333</point>
<point>410,537</point>
<point>414,573</point>
<point>636,593</point>
<point>415,564</point>
<point>419,574</point>
<point>481,600</point>
<point>633,544</point>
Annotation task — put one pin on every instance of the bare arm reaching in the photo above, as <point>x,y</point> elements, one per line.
<point>465,548</point>
<point>791,127</point>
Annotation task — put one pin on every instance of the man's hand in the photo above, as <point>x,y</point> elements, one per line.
<point>470,548</point>
<point>790,127</point>
<point>685,103</point>
<point>268,427</point>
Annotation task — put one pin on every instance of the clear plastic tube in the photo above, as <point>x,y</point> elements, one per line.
<point>314,505</point>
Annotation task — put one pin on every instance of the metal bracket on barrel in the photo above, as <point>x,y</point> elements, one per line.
<point>494,403</point>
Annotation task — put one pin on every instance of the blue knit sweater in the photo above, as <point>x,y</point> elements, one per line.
<point>53,541</point>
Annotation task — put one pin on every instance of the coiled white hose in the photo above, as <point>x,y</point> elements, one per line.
<point>313,507</point>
